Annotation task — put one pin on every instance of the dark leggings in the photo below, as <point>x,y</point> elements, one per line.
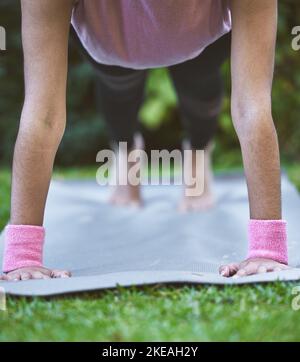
<point>198,83</point>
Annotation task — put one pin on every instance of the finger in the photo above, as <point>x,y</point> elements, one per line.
<point>281,267</point>
<point>234,267</point>
<point>67,273</point>
<point>2,277</point>
<point>46,276</point>
<point>262,269</point>
<point>251,268</point>
<point>241,273</point>
<point>13,277</point>
<point>25,276</point>
<point>38,275</point>
<point>277,267</point>
<point>224,270</point>
<point>60,274</point>
<point>284,266</point>
<point>229,269</point>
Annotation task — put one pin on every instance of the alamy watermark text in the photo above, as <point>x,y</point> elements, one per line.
<point>296,39</point>
<point>2,38</point>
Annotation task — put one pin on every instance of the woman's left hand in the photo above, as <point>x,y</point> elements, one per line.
<point>250,267</point>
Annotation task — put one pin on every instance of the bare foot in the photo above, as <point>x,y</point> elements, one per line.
<point>34,273</point>
<point>206,200</point>
<point>127,195</point>
<point>250,267</point>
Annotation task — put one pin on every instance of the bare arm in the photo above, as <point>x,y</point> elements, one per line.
<point>253,47</point>
<point>45,31</point>
<point>254,28</point>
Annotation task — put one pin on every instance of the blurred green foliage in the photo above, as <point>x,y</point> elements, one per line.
<point>86,132</point>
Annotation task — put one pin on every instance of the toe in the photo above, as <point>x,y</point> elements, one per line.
<point>182,207</point>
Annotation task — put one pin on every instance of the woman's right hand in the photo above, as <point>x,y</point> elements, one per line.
<point>34,273</point>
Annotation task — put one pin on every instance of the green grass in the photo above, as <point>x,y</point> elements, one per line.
<point>202,313</point>
<point>252,313</point>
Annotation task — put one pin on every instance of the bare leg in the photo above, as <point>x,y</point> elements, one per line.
<point>127,195</point>
<point>207,199</point>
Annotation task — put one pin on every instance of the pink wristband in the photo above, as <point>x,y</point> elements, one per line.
<point>23,247</point>
<point>268,239</point>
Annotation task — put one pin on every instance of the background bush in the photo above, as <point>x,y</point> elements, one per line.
<point>86,132</point>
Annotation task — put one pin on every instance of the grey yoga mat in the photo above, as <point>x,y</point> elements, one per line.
<point>106,246</point>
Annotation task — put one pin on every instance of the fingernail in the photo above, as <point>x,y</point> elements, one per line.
<point>223,273</point>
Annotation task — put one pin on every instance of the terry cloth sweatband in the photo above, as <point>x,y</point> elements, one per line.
<point>268,239</point>
<point>23,247</point>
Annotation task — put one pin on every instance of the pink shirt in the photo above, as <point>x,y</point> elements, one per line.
<point>144,34</point>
